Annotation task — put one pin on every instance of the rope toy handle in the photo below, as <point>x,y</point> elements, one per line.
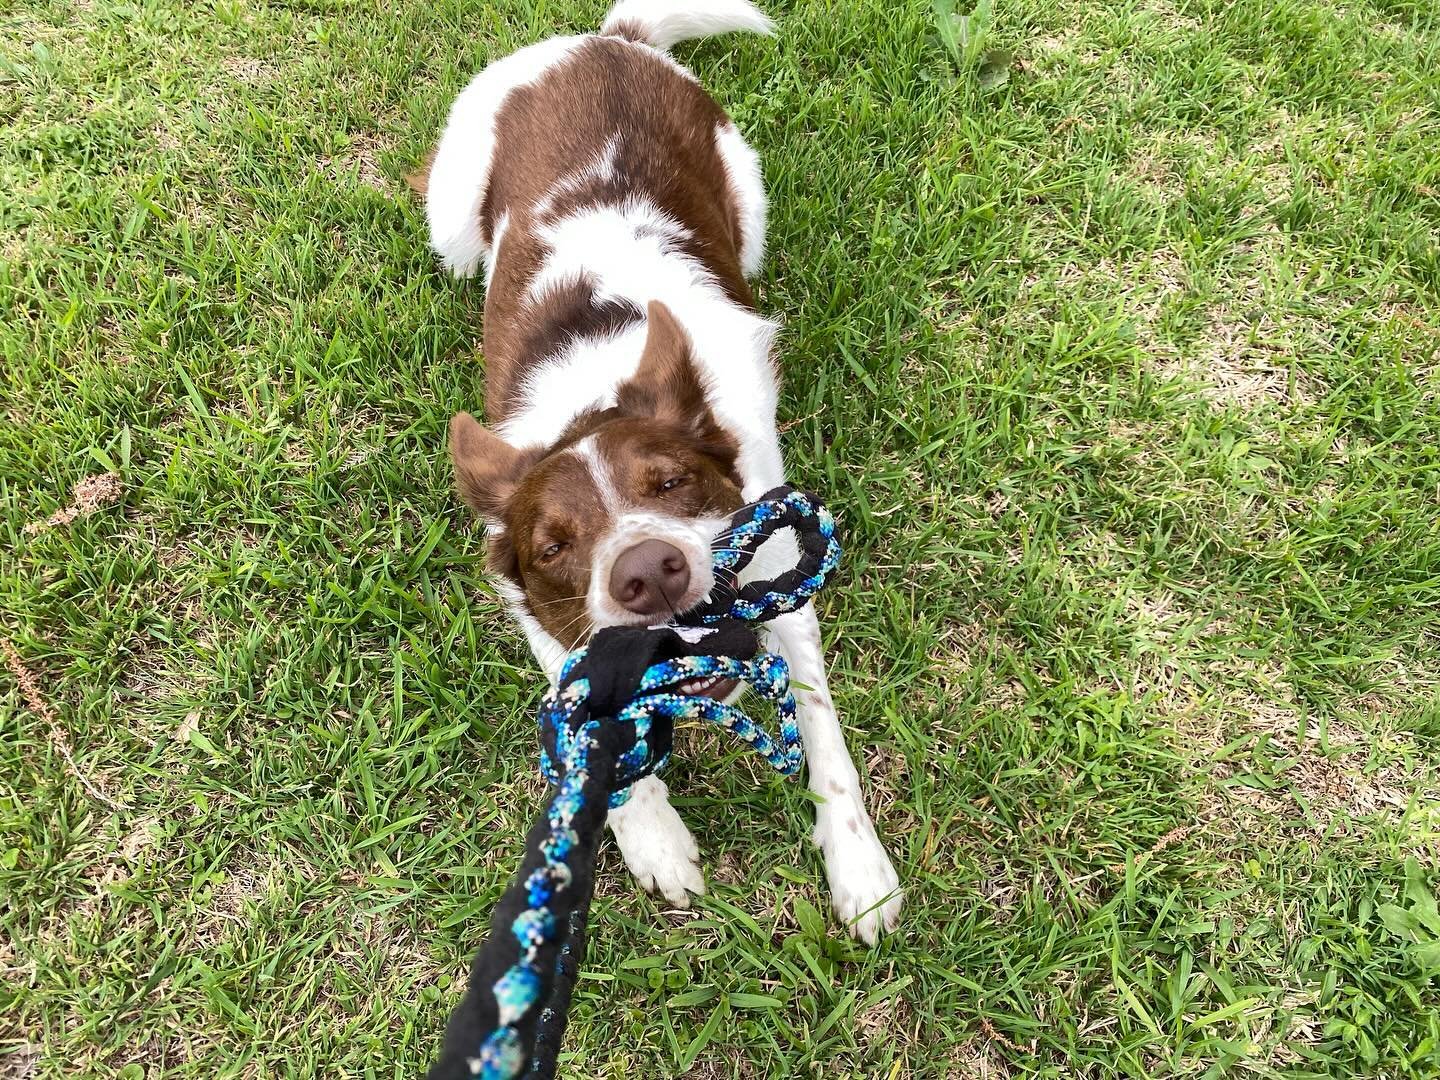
<point>609,722</point>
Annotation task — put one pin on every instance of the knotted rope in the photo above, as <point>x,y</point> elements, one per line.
<point>609,722</point>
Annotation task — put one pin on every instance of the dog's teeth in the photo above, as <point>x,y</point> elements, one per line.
<point>699,686</point>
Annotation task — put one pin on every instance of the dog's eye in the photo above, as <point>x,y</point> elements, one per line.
<point>552,551</point>
<point>673,483</point>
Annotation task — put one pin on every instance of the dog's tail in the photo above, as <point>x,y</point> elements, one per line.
<point>662,23</point>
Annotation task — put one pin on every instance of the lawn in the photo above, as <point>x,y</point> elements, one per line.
<point>1119,364</point>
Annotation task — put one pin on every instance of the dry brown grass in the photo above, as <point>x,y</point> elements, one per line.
<point>38,704</point>
<point>363,157</point>
<point>91,494</point>
<point>19,1059</point>
<point>979,1059</point>
<point>248,69</point>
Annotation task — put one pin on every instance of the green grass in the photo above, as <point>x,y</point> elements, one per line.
<point>1122,376</point>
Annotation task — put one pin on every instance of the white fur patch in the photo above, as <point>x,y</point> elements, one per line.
<point>548,652</point>
<point>492,257</point>
<point>622,244</point>
<point>742,169</point>
<point>600,473</point>
<point>667,22</point>
<point>460,172</point>
<point>585,374</point>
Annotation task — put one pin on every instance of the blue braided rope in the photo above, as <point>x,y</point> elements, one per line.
<point>768,674</point>
<point>501,1056</point>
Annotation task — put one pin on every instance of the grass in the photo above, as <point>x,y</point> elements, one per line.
<point>1121,373</point>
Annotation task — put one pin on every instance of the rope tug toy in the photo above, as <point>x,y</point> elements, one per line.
<point>610,722</point>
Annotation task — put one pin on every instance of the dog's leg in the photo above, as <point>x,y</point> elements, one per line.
<point>863,885</point>
<point>657,846</point>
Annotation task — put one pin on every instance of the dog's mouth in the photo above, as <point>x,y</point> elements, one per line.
<point>712,687</point>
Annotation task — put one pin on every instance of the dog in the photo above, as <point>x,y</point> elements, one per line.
<point>617,215</point>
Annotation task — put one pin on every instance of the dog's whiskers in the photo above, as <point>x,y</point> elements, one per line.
<point>561,600</point>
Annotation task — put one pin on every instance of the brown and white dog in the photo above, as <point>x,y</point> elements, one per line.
<point>631,394</point>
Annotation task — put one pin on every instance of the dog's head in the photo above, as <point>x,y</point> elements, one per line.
<point>613,524</point>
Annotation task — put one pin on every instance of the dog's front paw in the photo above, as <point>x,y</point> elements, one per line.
<point>657,846</point>
<point>864,887</point>
<point>667,864</point>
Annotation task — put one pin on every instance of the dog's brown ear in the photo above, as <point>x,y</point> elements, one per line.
<point>487,468</point>
<point>666,385</point>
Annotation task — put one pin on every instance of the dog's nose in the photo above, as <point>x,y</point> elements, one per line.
<point>650,578</point>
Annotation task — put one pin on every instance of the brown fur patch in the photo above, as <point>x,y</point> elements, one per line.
<point>663,126</point>
<point>557,504</point>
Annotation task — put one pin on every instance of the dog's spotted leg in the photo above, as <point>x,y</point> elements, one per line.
<point>863,885</point>
<point>657,846</point>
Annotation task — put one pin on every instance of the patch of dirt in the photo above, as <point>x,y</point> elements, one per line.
<point>1236,365</point>
<point>1242,358</point>
<point>1293,1024</point>
<point>1003,696</point>
<point>140,838</point>
<point>726,869</point>
<point>247,879</point>
<point>87,496</point>
<point>169,556</point>
<point>1146,286</point>
<point>166,140</point>
<point>1168,17</point>
<point>148,673</point>
<point>886,775</point>
<point>885,1021</point>
<point>1154,172</point>
<point>1291,773</point>
<point>1159,617</point>
<point>1064,45</point>
<point>362,157</point>
<point>125,855</point>
<point>956,647</point>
